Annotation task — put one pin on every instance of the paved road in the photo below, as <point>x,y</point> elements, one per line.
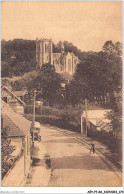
<point>73,166</point>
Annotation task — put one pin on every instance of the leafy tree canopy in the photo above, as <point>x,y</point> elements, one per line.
<point>18,57</point>
<point>49,82</point>
<point>98,75</point>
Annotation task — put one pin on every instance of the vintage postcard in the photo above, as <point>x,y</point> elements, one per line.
<point>61,95</point>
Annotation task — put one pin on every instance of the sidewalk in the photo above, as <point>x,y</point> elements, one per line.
<point>102,150</point>
<point>39,174</point>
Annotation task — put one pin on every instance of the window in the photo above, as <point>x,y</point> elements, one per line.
<point>69,65</point>
<point>45,47</point>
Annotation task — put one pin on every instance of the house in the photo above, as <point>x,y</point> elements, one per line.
<point>63,61</point>
<point>19,134</point>
<point>98,118</point>
<point>14,134</point>
<point>14,99</point>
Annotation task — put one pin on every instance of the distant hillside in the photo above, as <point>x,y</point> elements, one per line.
<point>18,57</point>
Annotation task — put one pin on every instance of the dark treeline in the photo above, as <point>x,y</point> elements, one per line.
<point>18,57</point>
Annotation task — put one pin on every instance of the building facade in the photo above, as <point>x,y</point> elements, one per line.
<point>63,61</point>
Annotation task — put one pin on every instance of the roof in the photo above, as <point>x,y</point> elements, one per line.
<point>101,125</point>
<point>22,123</point>
<point>20,93</point>
<point>99,119</point>
<point>5,88</point>
<point>14,131</point>
<point>58,55</point>
<point>94,115</point>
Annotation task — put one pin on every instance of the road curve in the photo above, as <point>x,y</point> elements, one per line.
<point>72,164</point>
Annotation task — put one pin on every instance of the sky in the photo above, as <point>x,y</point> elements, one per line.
<point>87,24</point>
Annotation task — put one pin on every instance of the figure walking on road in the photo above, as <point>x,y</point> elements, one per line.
<point>92,149</point>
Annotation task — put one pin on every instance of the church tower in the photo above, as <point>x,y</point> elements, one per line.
<point>44,52</point>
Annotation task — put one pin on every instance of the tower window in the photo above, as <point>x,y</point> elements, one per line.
<point>45,47</point>
<point>69,65</point>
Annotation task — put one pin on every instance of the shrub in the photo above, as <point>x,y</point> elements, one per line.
<point>6,150</point>
<point>68,118</point>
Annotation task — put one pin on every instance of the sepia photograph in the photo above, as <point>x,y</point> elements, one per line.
<point>61,94</point>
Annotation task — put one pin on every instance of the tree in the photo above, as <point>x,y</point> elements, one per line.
<point>116,114</point>
<point>18,57</point>
<point>49,82</point>
<point>113,60</point>
<point>98,76</point>
<point>109,47</point>
<point>87,78</point>
<point>5,70</point>
<point>118,48</point>
<point>112,49</point>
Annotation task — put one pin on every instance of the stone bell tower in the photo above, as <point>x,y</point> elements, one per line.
<point>44,52</point>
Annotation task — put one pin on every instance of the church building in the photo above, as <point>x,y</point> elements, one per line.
<point>63,61</point>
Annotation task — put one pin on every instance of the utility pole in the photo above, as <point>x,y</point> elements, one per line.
<point>86,114</point>
<point>35,94</point>
<point>82,124</point>
<point>34,114</point>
